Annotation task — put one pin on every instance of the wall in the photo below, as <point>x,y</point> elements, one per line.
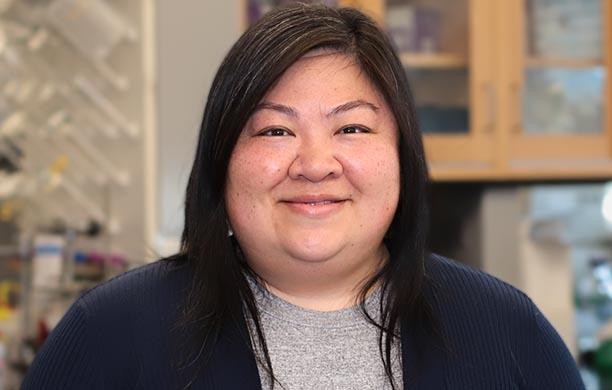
<point>192,40</point>
<point>541,270</point>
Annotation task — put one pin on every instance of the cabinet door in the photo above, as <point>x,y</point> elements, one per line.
<point>373,8</point>
<point>557,85</point>
<point>255,9</point>
<point>447,49</point>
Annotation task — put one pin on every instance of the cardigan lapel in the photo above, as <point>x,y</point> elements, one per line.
<point>433,362</point>
<point>232,365</point>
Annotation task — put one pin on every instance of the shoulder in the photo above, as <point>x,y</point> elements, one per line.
<point>109,329</point>
<point>141,303</point>
<point>477,311</point>
<point>475,301</point>
<point>494,327</point>
<point>450,279</point>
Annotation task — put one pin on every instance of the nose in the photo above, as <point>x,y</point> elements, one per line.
<point>315,161</point>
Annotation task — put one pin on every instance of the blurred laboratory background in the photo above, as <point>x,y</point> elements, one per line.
<point>100,103</point>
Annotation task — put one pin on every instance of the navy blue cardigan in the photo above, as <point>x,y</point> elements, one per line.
<point>116,336</point>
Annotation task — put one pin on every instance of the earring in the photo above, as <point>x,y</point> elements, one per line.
<point>230,232</point>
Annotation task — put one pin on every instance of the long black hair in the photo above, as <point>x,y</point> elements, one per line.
<point>219,292</point>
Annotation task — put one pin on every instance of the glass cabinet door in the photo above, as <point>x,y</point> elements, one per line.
<point>432,37</point>
<point>564,72</point>
<point>559,88</point>
<point>447,48</point>
<point>255,9</point>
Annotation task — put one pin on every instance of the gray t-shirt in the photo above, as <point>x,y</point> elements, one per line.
<point>322,350</point>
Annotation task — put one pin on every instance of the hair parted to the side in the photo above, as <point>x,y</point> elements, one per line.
<point>219,292</point>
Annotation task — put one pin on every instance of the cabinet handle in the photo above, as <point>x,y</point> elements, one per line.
<point>517,102</point>
<point>490,97</point>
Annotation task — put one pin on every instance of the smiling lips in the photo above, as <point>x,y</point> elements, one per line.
<point>318,206</point>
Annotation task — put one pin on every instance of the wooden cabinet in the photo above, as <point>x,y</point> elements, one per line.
<point>539,100</point>
<point>554,78</point>
<point>451,65</point>
<point>507,89</point>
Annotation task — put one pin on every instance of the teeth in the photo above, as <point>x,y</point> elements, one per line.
<point>323,202</point>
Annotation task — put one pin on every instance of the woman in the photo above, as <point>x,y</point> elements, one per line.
<point>303,262</point>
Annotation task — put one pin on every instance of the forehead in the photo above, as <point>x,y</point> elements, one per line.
<point>325,77</point>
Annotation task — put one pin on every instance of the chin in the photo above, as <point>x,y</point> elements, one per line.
<point>314,250</point>
<point>319,257</point>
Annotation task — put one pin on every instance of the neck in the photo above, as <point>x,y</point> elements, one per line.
<point>324,286</point>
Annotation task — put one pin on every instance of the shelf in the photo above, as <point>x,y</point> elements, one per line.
<point>433,60</point>
<point>552,62</point>
<point>521,171</point>
<point>74,287</point>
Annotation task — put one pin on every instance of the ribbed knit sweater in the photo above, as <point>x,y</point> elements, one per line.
<point>117,336</point>
<point>312,349</point>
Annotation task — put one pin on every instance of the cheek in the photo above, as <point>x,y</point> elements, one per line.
<point>375,173</point>
<point>388,181</point>
<point>255,168</point>
<point>252,173</point>
<point>374,169</point>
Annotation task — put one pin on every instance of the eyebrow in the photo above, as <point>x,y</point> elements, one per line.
<point>352,105</point>
<point>290,111</point>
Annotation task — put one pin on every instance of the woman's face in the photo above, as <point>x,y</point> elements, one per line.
<point>315,174</point>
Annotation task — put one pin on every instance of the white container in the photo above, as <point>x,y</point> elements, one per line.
<point>401,25</point>
<point>47,261</point>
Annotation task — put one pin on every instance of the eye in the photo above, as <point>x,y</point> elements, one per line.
<point>354,129</point>
<point>274,132</point>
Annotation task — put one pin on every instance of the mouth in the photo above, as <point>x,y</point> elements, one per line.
<point>316,199</point>
<point>315,207</point>
<point>319,203</point>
